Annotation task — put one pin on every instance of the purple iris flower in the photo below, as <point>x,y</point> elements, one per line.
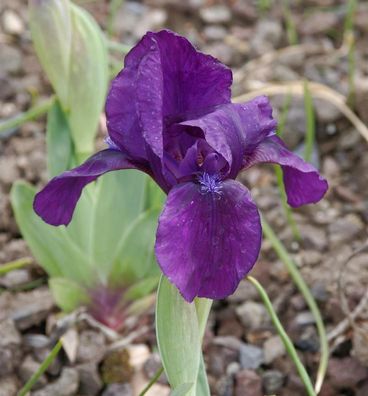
<point>169,114</point>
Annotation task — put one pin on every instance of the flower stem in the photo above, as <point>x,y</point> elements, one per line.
<point>284,337</point>
<point>304,290</point>
<point>31,114</point>
<point>310,123</point>
<point>288,213</point>
<point>153,380</point>
<point>43,367</point>
<point>13,265</point>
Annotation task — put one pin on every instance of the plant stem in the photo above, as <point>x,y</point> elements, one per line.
<point>304,290</point>
<point>288,212</point>
<point>284,337</point>
<point>118,47</point>
<point>31,114</point>
<point>291,32</point>
<point>310,123</point>
<point>43,367</point>
<point>16,264</point>
<point>153,380</point>
<point>279,177</point>
<point>113,9</point>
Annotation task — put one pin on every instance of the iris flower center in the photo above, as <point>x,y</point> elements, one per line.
<point>210,183</point>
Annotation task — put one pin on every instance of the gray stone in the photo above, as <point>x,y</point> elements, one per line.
<point>253,315</point>
<point>15,278</point>
<point>305,318</point>
<point>272,381</point>
<point>118,390</point>
<point>9,173</point>
<point>12,23</point>
<point>10,344</point>
<point>214,32</point>
<point>319,22</point>
<point>10,59</point>
<point>36,341</point>
<point>345,229</point>
<point>26,309</point>
<point>273,349</point>
<point>215,14</point>
<point>40,355</point>
<point>152,365</point>
<point>267,36</point>
<point>28,367</point>
<point>248,383</point>
<point>346,372</point>
<point>284,73</point>
<point>9,386</point>
<point>90,381</point>
<point>245,291</point>
<point>250,356</point>
<point>313,237</point>
<point>308,339</point>
<point>326,112</point>
<point>66,385</point>
<point>91,347</point>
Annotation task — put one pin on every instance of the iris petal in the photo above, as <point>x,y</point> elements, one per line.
<point>55,204</point>
<point>236,129</point>
<point>164,80</point>
<point>303,183</point>
<point>208,239</point>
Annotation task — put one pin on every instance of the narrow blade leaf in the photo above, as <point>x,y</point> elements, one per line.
<point>178,336</point>
<point>59,142</point>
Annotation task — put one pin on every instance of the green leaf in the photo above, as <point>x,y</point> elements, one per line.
<point>68,295</point>
<point>135,257</point>
<point>142,288</point>
<point>51,30</point>
<point>182,390</point>
<point>59,142</point>
<point>178,336</point>
<point>202,388</point>
<point>72,51</point>
<point>155,197</point>
<point>52,247</point>
<point>88,79</point>
<point>203,307</point>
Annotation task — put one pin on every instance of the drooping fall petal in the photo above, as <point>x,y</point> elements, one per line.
<point>303,183</point>
<point>208,237</point>
<point>55,204</point>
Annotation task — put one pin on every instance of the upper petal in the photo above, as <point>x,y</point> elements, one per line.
<point>303,183</point>
<point>257,121</point>
<point>55,204</point>
<point>165,78</point>
<point>121,105</point>
<point>207,241</point>
<point>236,129</point>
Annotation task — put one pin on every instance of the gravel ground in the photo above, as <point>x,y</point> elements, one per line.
<point>243,354</point>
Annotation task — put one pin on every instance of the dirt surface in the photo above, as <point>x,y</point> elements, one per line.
<point>243,354</point>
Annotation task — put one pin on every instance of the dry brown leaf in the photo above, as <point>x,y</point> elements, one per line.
<point>317,90</point>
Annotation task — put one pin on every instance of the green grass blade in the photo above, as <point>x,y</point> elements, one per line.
<point>284,337</point>
<point>349,41</point>
<point>306,293</point>
<point>113,9</point>
<point>310,123</point>
<point>153,380</point>
<point>287,210</point>
<point>43,367</point>
<point>31,114</point>
<point>279,178</point>
<point>283,115</point>
<point>291,32</point>
<point>14,265</point>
